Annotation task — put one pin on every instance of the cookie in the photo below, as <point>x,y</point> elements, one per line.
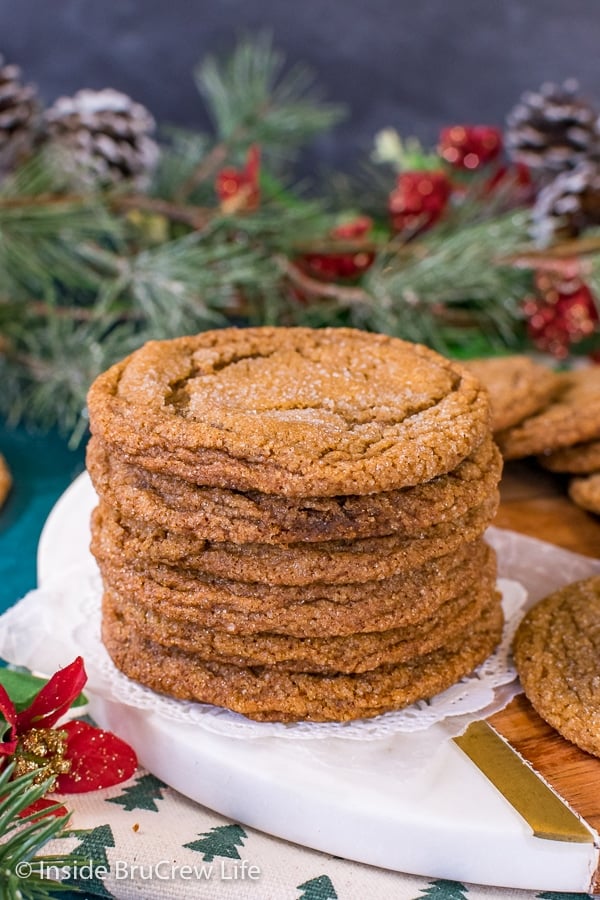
<point>266,694</point>
<point>518,387</point>
<point>326,610</point>
<point>366,559</point>
<point>217,514</point>
<point>321,615</point>
<point>5,480</point>
<point>294,411</point>
<point>572,417</point>
<point>585,492</point>
<point>557,655</point>
<point>580,459</point>
<point>355,652</point>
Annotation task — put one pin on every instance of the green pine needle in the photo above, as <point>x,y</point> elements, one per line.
<point>463,274</point>
<point>22,839</point>
<point>251,98</point>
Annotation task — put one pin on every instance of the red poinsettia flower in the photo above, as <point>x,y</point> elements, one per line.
<point>238,189</point>
<point>469,146</point>
<point>80,756</point>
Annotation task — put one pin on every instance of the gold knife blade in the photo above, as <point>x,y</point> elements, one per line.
<point>543,810</point>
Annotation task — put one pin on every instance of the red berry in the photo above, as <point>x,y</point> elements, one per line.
<point>469,146</point>
<point>418,200</point>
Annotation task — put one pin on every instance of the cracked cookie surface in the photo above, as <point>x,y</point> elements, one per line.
<point>294,411</point>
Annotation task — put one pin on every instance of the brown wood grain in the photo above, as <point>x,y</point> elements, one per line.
<point>574,774</point>
<point>535,502</point>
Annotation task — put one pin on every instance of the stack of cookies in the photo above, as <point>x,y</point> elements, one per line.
<point>290,521</point>
<point>553,416</point>
<point>519,387</point>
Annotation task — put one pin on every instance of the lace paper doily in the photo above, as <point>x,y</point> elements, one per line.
<point>68,612</point>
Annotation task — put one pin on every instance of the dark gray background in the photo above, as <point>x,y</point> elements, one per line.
<point>413,65</point>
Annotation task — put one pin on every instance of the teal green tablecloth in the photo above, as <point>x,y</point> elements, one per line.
<point>42,467</point>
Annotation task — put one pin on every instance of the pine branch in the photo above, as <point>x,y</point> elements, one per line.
<point>251,91</point>
<point>86,278</point>
<point>39,242</point>
<point>190,283</point>
<point>206,169</point>
<point>23,836</point>
<point>54,358</point>
<point>343,294</point>
<point>182,153</point>
<point>195,217</point>
<point>251,99</point>
<point>462,269</point>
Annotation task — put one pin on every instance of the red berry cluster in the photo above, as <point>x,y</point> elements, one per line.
<point>418,200</point>
<point>238,189</point>
<point>421,197</point>
<point>561,313</point>
<point>470,147</point>
<point>346,263</point>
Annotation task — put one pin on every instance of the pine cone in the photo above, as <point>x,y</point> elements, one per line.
<point>105,135</point>
<point>568,205</point>
<point>20,117</point>
<point>552,130</point>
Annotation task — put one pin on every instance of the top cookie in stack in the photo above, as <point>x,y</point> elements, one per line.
<point>290,520</point>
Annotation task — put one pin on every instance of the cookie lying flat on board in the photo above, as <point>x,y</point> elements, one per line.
<point>557,655</point>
